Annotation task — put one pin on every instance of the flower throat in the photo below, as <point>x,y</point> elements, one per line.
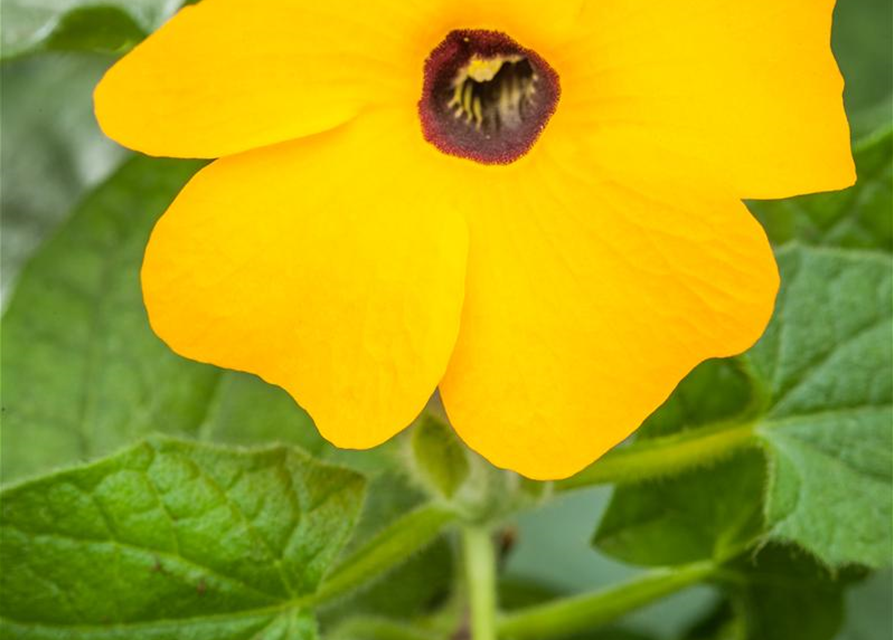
<point>485,97</point>
<point>494,93</point>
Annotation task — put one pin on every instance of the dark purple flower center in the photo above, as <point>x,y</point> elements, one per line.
<point>486,97</point>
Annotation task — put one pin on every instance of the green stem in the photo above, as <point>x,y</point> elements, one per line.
<point>658,457</point>
<point>372,628</point>
<point>392,546</point>
<point>480,574</point>
<point>579,614</point>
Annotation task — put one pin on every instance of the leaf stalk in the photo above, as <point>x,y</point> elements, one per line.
<point>582,613</point>
<point>668,455</point>
<point>391,547</point>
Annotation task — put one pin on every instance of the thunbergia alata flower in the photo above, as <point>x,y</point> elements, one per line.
<point>533,206</point>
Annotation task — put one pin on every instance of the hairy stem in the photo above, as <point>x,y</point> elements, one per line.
<point>373,628</point>
<point>586,612</point>
<point>392,546</point>
<point>480,573</point>
<point>658,457</point>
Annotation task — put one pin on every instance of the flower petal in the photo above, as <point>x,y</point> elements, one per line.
<point>332,266</point>
<point>749,88</point>
<point>589,296</point>
<point>225,76</point>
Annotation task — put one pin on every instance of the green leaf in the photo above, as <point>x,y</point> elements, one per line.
<point>780,594</point>
<point>705,514</point>
<point>101,29</point>
<point>715,391</point>
<point>776,594</point>
<point>414,587</point>
<point>80,25</point>
<point>858,217</point>
<point>827,364</point>
<point>873,121</point>
<point>440,458</point>
<point>821,404</point>
<point>699,424</point>
<point>171,539</point>
<point>52,151</point>
<point>391,546</point>
<point>243,409</point>
<point>720,623</point>
<point>861,41</point>
<point>426,574</point>
<point>702,514</point>
<point>83,373</point>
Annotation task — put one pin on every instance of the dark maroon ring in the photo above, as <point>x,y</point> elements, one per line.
<point>485,97</point>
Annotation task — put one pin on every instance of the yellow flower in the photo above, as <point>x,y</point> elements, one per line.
<point>532,206</point>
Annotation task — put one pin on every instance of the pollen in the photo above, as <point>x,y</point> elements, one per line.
<point>485,97</point>
<point>494,93</point>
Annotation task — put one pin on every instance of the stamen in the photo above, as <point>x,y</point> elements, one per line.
<point>485,97</point>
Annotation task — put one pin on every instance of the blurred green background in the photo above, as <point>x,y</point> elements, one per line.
<point>53,153</point>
